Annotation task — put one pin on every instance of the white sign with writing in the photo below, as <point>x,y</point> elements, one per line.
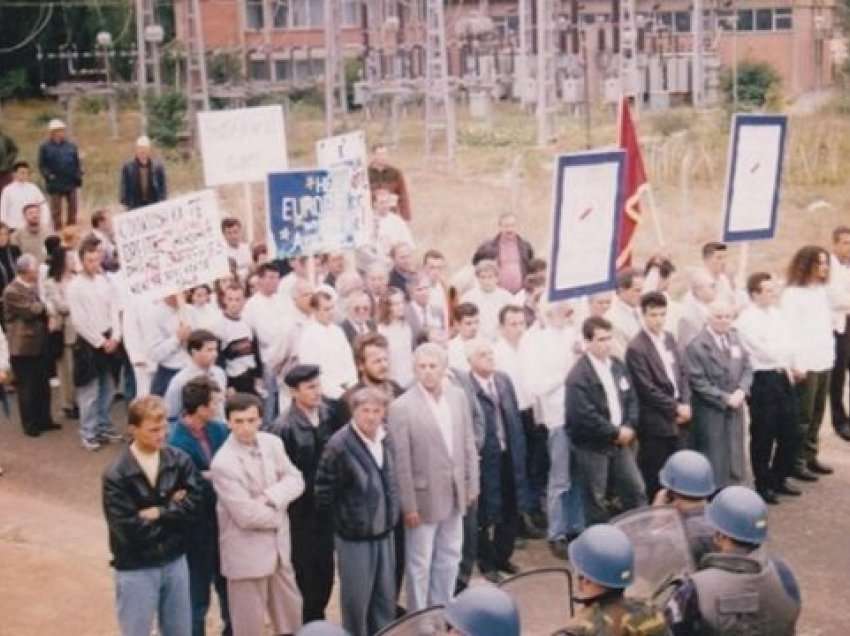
<point>349,151</point>
<point>242,145</point>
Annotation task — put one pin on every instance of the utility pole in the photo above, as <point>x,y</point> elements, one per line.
<point>197,89</point>
<point>628,50</point>
<point>142,64</point>
<point>439,102</point>
<point>335,97</point>
<point>526,49</point>
<point>698,63</point>
<point>545,80</point>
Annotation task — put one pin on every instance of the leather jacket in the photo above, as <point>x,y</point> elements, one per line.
<point>134,542</point>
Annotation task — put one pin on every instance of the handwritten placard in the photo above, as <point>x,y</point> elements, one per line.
<point>171,246</point>
<point>242,145</point>
<point>349,151</point>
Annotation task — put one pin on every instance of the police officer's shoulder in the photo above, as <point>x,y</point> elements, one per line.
<point>789,581</point>
<point>642,619</point>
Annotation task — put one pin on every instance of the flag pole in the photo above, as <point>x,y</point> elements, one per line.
<point>656,222</point>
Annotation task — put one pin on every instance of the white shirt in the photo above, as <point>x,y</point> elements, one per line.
<point>546,358</point>
<point>808,312</point>
<point>612,395</point>
<point>327,347</point>
<point>270,319</point>
<point>241,255</point>
<point>766,337</point>
<point>667,359</point>
<point>375,447</point>
<point>489,305</point>
<point>136,325</point>
<point>839,293</point>
<point>399,336</point>
<point>165,348</point>
<point>94,308</point>
<point>15,196</point>
<point>456,351</point>
<point>442,415</point>
<point>391,229</point>
<point>627,324</point>
<point>204,316</point>
<point>509,361</point>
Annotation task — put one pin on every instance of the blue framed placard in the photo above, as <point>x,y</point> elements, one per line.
<point>588,197</point>
<point>756,154</point>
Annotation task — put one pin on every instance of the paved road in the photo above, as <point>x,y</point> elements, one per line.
<point>55,577</point>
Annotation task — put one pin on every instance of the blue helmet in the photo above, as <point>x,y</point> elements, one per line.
<point>604,554</point>
<point>483,610</point>
<point>321,628</point>
<point>739,513</point>
<point>688,473</point>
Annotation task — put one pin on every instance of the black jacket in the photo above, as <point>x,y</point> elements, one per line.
<point>401,281</point>
<point>654,390</point>
<point>59,164</point>
<point>131,190</point>
<point>137,544</point>
<point>350,331</point>
<point>490,250</point>
<point>588,419</point>
<point>304,443</point>
<point>349,485</point>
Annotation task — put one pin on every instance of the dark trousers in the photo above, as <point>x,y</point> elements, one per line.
<point>245,383</point>
<point>313,562</point>
<point>838,377</point>
<point>398,543</point>
<point>469,550</point>
<point>32,379</point>
<point>774,438</point>
<point>161,377</point>
<point>653,451</point>
<point>811,405</point>
<point>536,458</point>
<point>599,474</point>
<point>204,572</point>
<point>496,539</point>
<point>55,202</point>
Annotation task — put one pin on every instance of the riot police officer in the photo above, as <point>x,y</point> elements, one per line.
<point>687,481</point>
<point>740,589</point>
<point>603,559</point>
<point>482,610</point>
<point>321,628</point>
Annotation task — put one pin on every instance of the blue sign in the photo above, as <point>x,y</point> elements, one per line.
<point>309,212</point>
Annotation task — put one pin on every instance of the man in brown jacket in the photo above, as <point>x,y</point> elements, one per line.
<point>383,176</point>
<point>26,330</point>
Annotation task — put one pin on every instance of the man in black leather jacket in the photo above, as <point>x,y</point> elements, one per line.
<point>151,497</point>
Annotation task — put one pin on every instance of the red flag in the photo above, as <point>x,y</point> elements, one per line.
<point>634,182</point>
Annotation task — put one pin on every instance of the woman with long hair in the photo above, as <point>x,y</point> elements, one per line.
<point>807,308</point>
<point>393,325</point>
<point>59,273</point>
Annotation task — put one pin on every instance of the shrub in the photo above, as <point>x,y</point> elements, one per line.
<point>166,118</point>
<point>758,82</point>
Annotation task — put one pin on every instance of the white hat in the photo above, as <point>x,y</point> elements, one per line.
<point>143,142</point>
<point>56,124</point>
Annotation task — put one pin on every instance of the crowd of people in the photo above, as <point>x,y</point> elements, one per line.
<point>371,417</point>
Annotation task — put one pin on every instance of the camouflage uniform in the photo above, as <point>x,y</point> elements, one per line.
<point>617,617</point>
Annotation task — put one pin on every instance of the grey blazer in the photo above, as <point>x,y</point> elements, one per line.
<point>431,482</point>
<point>713,376</point>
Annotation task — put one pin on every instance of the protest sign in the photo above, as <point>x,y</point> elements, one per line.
<point>309,211</point>
<point>242,145</point>
<point>588,196</point>
<point>171,246</point>
<point>756,154</point>
<point>349,150</point>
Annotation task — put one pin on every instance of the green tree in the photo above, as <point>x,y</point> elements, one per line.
<point>758,83</point>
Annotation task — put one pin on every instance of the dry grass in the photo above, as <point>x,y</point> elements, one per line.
<point>454,208</point>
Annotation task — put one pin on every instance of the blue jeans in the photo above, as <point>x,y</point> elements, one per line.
<point>144,594</point>
<point>94,400</point>
<point>161,377</point>
<point>564,503</point>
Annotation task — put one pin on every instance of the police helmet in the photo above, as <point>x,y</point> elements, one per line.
<point>483,610</point>
<point>740,514</point>
<point>604,554</point>
<point>321,628</point>
<point>688,473</point>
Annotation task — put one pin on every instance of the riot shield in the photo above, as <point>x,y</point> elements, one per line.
<point>544,598</point>
<point>662,553</point>
<point>427,622</point>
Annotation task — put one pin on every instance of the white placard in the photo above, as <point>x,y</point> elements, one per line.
<point>171,246</point>
<point>242,145</point>
<point>349,150</point>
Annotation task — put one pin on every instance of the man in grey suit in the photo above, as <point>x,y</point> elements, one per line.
<point>437,466</point>
<point>720,376</point>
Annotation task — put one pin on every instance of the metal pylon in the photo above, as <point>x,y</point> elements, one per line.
<point>546,91</point>
<point>197,89</point>
<point>439,103</point>
<point>335,97</point>
<point>629,86</point>
<point>527,37</point>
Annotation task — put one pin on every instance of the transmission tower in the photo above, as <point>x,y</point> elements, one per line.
<point>628,49</point>
<point>439,102</point>
<point>526,50</point>
<point>197,89</point>
<point>547,97</point>
<point>335,97</point>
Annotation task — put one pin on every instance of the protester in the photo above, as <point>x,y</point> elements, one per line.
<point>101,223</point>
<point>19,193</point>
<point>238,250</point>
<point>26,330</point>
<point>488,297</point>
<point>376,280</point>
<point>59,164</point>
<point>30,237</point>
<point>199,434</point>
<point>467,320</point>
<point>55,293</point>
<point>255,483</point>
<point>393,325</point>
<point>152,498</point>
<point>389,229</point>
<point>305,428</point>
<point>703,291</point>
<point>170,330</point>
<point>839,296</point>
<point>437,477</point>
<point>358,311</point>
<point>625,312</point>
<point>511,252</point>
<point>715,260</point>
<point>404,269</point>
<point>239,355</point>
<point>202,347</point>
<point>357,495</point>
<point>8,257</point>
<point>420,313</point>
<point>202,308</point>
<point>142,178</point>
<point>324,344</point>
<point>383,176</point>
<point>434,265</point>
